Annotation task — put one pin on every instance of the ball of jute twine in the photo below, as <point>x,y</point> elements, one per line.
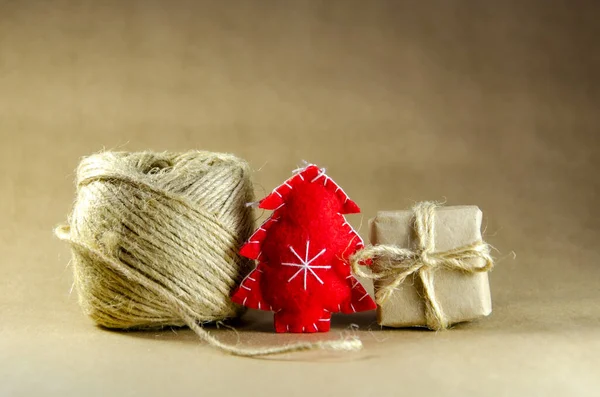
<point>155,240</point>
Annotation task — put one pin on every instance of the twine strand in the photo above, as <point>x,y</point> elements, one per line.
<point>393,264</point>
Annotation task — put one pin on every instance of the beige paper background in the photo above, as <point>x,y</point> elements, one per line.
<point>478,102</point>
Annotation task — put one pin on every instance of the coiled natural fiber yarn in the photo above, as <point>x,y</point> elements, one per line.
<point>155,240</point>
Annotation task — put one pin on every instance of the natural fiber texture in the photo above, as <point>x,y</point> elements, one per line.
<point>393,264</point>
<point>155,240</point>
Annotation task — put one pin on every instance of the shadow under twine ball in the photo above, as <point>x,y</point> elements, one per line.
<point>155,238</point>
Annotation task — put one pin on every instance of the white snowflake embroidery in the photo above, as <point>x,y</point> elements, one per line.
<point>305,264</point>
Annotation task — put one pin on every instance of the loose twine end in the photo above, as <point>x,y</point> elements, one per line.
<point>346,344</point>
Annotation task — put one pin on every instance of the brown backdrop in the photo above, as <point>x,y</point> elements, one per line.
<point>493,103</point>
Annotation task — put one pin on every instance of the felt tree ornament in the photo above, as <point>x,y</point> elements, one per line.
<point>302,251</point>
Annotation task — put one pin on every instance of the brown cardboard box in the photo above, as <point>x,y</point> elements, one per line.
<point>462,296</point>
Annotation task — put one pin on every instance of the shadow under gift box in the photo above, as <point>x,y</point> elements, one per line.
<point>462,296</point>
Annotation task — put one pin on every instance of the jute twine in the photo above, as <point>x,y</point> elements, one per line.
<point>155,240</point>
<point>393,264</point>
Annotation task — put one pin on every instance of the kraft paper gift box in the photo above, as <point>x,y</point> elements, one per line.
<point>463,296</point>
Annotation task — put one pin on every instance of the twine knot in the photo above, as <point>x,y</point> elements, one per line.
<point>393,264</point>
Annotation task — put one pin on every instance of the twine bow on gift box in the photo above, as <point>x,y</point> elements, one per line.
<point>393,264</point>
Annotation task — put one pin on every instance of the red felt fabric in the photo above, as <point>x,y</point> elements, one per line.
<point>302,252</point>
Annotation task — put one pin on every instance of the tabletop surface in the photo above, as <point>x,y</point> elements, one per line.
<point>493,104</point>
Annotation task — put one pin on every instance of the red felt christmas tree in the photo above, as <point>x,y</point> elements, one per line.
<point>302,252</point>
